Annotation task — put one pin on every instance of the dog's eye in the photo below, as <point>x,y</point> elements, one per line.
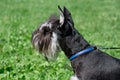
<point>46,30</point>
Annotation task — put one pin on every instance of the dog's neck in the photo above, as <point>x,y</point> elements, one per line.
<point>73,43</point>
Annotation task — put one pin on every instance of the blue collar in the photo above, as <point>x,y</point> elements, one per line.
<point>82,52</point>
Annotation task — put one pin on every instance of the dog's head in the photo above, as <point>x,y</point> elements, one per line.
<point>46,38</point>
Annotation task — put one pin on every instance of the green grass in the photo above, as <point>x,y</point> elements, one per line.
<point>97,20</point>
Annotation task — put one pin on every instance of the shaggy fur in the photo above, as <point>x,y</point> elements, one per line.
<point>45,40</point>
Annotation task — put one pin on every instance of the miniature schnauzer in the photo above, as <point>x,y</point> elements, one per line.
<point>88,62</point>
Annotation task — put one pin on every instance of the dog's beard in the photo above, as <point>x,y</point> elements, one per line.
<point>53,48</point>
<point>47,45</point>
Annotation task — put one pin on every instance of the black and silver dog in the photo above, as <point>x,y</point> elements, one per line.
<point>88,63</point>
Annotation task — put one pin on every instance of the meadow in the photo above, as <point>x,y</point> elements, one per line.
<point>97,20</point>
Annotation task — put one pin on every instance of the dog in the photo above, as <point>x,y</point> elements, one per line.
<point>88,62</point>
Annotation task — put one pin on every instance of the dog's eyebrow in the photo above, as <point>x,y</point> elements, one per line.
<point>44,24</point>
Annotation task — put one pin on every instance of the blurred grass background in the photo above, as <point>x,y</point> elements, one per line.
<point>97,20</point>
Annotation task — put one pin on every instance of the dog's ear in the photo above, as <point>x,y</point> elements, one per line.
<point>66,22</point>
<point>68,16</point>
<point>65,16</point>
<point>62,18</point>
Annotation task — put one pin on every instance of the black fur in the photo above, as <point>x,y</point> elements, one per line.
<point>95,65</point>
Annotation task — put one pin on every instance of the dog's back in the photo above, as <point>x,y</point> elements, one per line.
<point>97,65</point>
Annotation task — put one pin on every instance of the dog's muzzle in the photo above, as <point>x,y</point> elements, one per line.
<point>45,40</point>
